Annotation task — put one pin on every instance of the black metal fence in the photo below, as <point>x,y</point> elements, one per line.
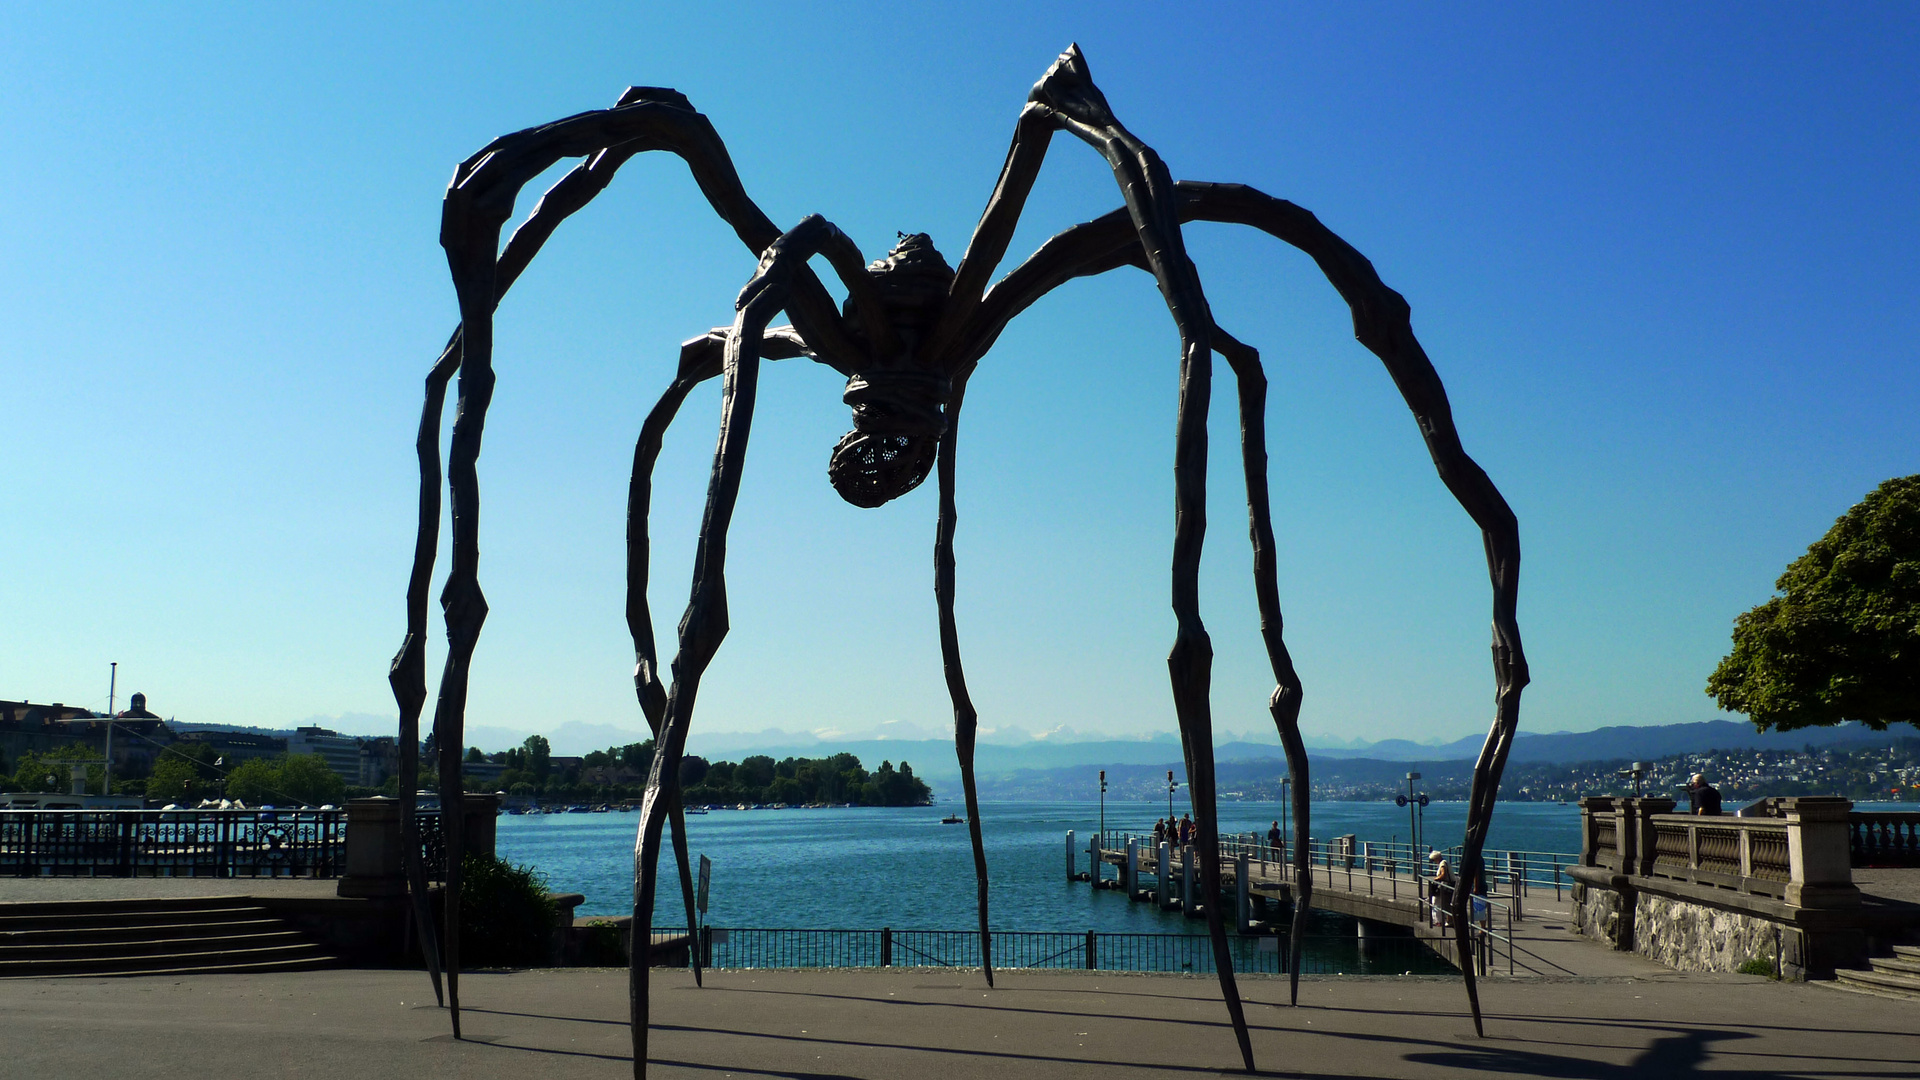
<point>759,947</point>
<point>173,843</point>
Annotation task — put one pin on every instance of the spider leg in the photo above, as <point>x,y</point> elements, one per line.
<point>704,625</point>
<point>1286,699</point>
<point>1382,322</point>
<point>966,721</point>
<point>1077,105</point>
<point>477,205</point>
<point>700,359</point>
<point>408,675</point>
<point>1107,244</point>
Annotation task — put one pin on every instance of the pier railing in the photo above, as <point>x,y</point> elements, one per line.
<point>214,843</point>
<point>763,947</point>
<point>1373,868</point>
<point>182,843</point>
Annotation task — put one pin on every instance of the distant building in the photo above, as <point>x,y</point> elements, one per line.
<point>379,759</point>
<point>237,746</point>
<point>27,728</point>
<point>484,775</point>
<point>605,775</point>
<point>341,752</point>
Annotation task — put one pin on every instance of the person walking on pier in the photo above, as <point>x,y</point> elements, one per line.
<point>1159,832</point>
<point>1277,843</point>
<point>1186,830</point>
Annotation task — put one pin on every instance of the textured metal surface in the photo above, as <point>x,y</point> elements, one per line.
<point>908,338</point>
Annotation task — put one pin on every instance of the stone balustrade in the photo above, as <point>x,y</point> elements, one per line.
<point>1716,893</point>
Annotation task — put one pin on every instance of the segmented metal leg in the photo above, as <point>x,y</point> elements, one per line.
<point>705,625</point>
<point>965,720</point>
<point>1077,105</point>
<point>1285,702</point>
<point>408,676</point>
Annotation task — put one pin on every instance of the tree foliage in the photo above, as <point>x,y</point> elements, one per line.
<point>506,916</point>
<point>799,781</point>
<point>287,779</point>
<point>1842,641</point>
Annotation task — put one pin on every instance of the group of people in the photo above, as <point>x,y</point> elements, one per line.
<point>1178,833</point>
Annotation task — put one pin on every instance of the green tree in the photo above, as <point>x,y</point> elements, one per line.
<point>37,773</point>
<point>309,779</point>
<point>175,780</point>
<point>1842,641</point>
<point>254,781</point>
<point>289,778</point>
<point>475,756</point>
<point>539,756</point>
<point>754,773</point>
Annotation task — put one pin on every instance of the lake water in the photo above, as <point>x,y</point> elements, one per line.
<point>868,867</point>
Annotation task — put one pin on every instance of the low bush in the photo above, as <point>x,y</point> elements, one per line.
<point>506,918</point>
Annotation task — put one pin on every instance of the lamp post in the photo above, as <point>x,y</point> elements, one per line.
<point>1171,784</point>
<point>1103,809</point>
<point>113,683</point>
<point>1413,827</point>
<point>1638,772</point>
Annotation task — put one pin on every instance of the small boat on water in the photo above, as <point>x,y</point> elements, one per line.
<point>952,819</point>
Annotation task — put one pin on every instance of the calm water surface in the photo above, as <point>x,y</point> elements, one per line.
<point>866,867</point>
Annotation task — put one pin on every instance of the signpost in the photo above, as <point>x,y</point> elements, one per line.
<point>700,894</point>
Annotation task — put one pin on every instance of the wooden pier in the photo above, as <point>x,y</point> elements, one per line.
<point>1380,885</point>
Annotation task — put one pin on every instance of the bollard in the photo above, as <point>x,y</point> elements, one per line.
<point>1071,869</point>
<point>1130,880</point>
<point>1242,906</point>
<point>1161,883</point>
<point>1186,881</point>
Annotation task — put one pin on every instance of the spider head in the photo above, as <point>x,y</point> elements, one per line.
<point>897,424</point>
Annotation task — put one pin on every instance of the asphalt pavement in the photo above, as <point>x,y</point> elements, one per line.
<point>941,1024</point>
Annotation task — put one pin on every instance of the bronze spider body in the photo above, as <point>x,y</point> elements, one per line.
<point>907,339</point>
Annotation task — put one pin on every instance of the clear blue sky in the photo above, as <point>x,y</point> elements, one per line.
<point>1663,256</point>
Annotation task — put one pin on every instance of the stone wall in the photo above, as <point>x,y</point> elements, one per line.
<point>1596,914</point>
<point>1694,937</point>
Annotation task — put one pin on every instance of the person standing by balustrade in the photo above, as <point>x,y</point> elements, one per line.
<point>1703,799</point>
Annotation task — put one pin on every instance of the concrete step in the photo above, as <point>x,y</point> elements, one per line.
<point>272,937</point>
<point>1895,964</point>
<point>135,931</point>
<point>51,917</point>
<point>124,937</point>
<point>315,963</point>
<point>1907,952</point>
<point>94,907</point>
<point>303,954</point>
<point>1880,983</point>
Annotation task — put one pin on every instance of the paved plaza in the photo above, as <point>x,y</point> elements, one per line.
<point>944,1024</point>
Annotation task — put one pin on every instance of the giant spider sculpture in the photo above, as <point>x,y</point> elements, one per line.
<point>907,339</point>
